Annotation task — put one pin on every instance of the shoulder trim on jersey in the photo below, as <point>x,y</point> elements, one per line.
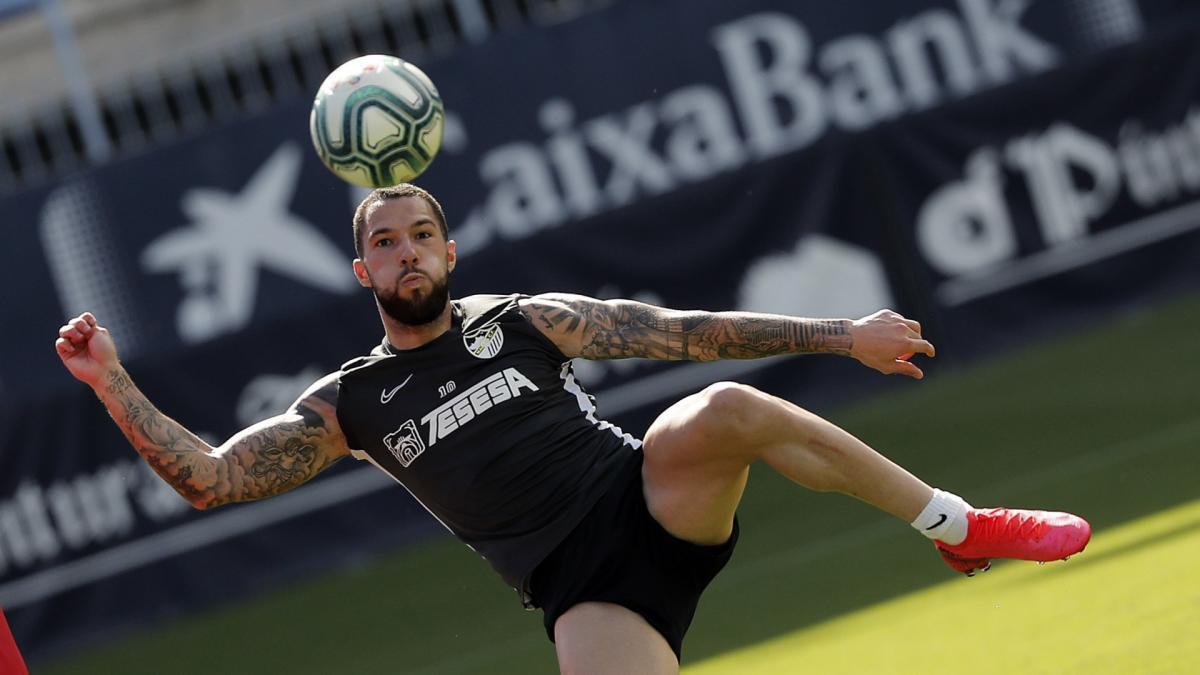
<point>360,362</point>
<point>478,310</point>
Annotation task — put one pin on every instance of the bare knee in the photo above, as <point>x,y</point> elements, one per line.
<point>719,421</point>
<point>726,408</point>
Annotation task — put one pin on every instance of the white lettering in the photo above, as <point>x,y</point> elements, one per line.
<point>1073,179</point>
<point>568,153</point>
<point>1004,46</point>
<point>703,140</point>
<point>499,391</point>
<point>522,200</point>
<point>516,381</point>
<point>479,400</point>
<point>463,412</point>
<point>1050,162</point>
<point>784,91</point>
<point>861,91</point>
<point>965,226</point>
<point>482,396</point>
<point>758,88</point>
<point>38,523</point>
<point>910,41</point>
<point>627,146</point>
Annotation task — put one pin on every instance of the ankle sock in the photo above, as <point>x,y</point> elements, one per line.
<point>944,518</point>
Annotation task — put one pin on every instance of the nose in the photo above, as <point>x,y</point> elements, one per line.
<point>407,251</point>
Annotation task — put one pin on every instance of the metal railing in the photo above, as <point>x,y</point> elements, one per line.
<point>153,107</point>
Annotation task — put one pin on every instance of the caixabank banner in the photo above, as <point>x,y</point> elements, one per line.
<point>993,169</point>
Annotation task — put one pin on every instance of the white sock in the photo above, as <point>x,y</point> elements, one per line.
<point>944,518</point>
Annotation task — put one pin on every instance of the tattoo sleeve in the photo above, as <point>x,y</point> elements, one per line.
<point>615,329</point>
<point>268,458</point>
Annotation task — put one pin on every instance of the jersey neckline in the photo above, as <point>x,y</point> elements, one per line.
<point>455,324</point>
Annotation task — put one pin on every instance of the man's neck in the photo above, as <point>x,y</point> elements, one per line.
<point>403,336</point>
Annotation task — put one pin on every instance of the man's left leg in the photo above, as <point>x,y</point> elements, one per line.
<point>698,454</point>
<point>598,638</point>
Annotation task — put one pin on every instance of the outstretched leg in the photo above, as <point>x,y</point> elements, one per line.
<point>698,454</point>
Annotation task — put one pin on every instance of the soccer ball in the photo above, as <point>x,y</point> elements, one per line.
<point>377,121</point>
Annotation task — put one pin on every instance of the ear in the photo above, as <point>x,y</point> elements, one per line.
<point>451,255</point>
<point>360,273</point>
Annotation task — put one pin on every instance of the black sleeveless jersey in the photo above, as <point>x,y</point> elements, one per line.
<point>486,426</point>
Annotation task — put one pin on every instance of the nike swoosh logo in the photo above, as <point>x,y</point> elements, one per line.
<point>941,516</point>
<point>385,396</point>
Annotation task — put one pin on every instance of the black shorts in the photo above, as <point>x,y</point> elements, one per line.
<point>620,554</point>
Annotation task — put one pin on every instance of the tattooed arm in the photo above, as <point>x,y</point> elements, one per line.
<point>614,329</point>
<point>265,459</point>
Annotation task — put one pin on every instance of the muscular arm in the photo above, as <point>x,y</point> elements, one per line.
<point>265,459</point>
<point>615,329</point>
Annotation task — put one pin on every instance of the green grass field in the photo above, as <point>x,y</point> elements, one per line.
<point>1129,604</point>
<point>1105,423</point>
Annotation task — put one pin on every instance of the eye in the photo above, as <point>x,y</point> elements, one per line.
<point>383,241</point>
<point>424,235</point>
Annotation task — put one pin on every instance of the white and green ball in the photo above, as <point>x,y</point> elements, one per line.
<point>377,121</point>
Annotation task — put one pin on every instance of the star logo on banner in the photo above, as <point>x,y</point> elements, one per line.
<point>232,236</point>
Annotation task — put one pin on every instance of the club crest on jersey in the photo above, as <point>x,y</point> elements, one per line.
<point>405,443</point>
<point>484,342</point>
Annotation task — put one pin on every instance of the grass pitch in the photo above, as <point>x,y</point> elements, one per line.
<point>1129,604</point>
<point>1105,424</point>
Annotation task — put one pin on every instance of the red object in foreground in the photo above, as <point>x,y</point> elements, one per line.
<point>11,662</point>
<point>1013,533</point>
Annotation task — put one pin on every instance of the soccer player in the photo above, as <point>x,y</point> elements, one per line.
<point>472,405</point>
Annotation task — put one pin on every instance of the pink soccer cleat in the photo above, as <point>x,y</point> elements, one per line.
<point>1014,533</point>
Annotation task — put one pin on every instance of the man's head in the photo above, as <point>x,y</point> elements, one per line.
<point>404,255</point>
<point>380,195</point>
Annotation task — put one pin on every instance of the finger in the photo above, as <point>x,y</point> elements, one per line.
<point>908,369</point>
<point>71,334</point>
<point>64,347</point>
<point>905,357</point>
<point>82,326</point>
<point>923,346</point>
<point>915,326</point>
<point>89,318</point>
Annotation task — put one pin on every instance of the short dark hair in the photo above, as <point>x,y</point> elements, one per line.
<point>395,192</point>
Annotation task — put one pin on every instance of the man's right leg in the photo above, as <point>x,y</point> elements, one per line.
<point>698,451</point>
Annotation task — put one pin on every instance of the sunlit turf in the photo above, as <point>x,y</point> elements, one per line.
<point>1129,604</point>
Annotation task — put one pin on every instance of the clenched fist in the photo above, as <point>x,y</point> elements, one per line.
<point>86,349</point>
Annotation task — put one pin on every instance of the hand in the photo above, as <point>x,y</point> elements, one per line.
<point>885,340</point>
<point>86,349</point>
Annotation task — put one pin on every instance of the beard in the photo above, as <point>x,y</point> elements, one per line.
<point>420,308</point>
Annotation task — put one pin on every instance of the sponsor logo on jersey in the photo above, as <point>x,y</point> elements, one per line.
<point>484,342</point>
<point>405,443</point>
<point>460,410</point>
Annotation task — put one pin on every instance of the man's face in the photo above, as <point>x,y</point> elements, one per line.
<point>406,261</point>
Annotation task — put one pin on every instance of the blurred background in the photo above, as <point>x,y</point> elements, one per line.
<point>1021,176</point>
